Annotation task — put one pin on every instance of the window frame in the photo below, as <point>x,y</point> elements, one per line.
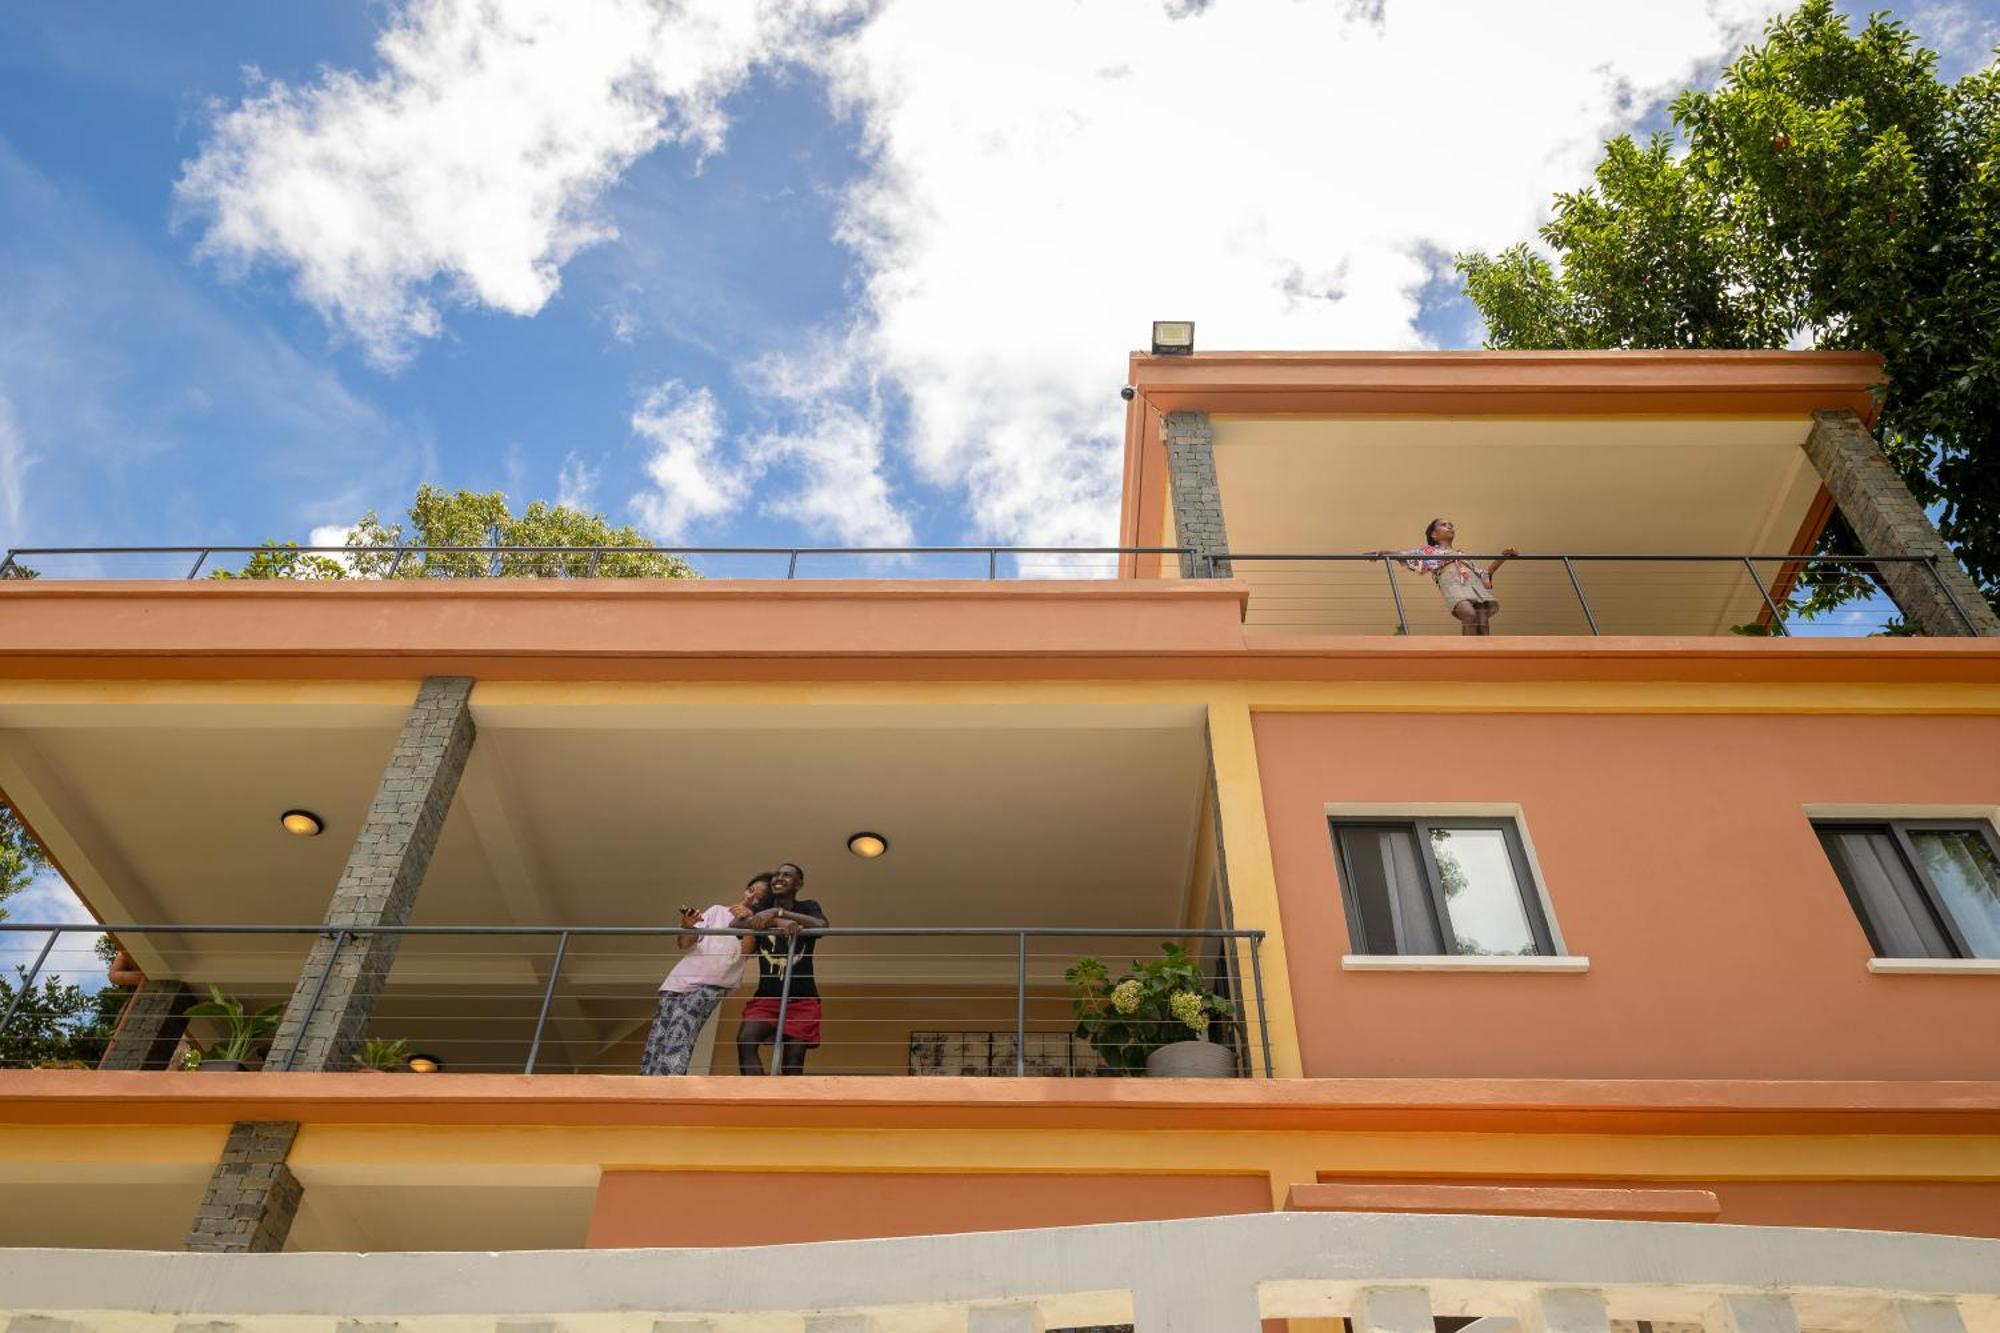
<point>1899,829</point>
<point>1527,886</point>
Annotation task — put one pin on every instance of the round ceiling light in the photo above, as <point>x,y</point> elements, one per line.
<point>424,1064</point>
<point>868,846</point>
<point>301,823</point>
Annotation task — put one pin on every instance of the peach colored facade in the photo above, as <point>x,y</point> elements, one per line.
<point>1725,1053</point>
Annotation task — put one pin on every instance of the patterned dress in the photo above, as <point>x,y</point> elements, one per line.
<point>1457,578</point>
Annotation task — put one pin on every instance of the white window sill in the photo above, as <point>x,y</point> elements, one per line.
<point>1382,962</point>
<point>1936,967</point>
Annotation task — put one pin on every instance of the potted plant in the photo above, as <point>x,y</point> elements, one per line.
<point>379,1055</point>
<point>241,1030</point>
<point>1153,1020</point>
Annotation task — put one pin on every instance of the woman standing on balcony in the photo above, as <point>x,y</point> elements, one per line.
<point>1467,589</point>
<point>784,976</point>
<point>698,983</point>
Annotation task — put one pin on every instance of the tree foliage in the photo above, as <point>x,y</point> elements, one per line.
<point>58,1023</point>
<point>21,857</point>
<point>473,518</point>
<point>1831,191</point>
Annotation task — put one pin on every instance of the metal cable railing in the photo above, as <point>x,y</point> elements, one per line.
<point>499,561</point>
<point>522,999</point>
<point>1639,594</point>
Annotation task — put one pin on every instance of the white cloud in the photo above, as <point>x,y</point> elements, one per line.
<point>15,460</point>
<point>1963,36</point>
<point>1044,178</point>
<point>467,167</point>
<point>692,479</point>
<point>1047,177</point>
<point>835,451</point>
<point>576,484</point>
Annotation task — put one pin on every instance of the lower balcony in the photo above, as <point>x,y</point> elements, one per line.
<point>994,1001</point>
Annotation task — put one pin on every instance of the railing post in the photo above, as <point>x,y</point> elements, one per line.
<point>1021,1006</point>
<point>396,560</point>
<point>28,981</point>
<point>1402,620</point>
<point>548,1000</point>
<point>340,938</point>
<point>992,563</point>
<point>1263,1018</point>
<point>7,566</point>
<point>784,1003</point>
<point>1581,600</point>
<point>596,555</point>
<point>1930,567</point>
<point>1769,605</point>
<point>792,566</point>
<point>199,561</point>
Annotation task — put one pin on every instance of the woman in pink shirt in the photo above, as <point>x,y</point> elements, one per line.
<point>698,983</point>
<point>1467,589</point>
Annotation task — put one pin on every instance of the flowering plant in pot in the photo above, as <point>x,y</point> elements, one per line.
<point>241,1030</point>
<point>1152,1020</point>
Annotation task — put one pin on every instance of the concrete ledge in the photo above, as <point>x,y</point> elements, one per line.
<point>1936,967</point>
<point>1383,962</point>
<point>1658,1205</point>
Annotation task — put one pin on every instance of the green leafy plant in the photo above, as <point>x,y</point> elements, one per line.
<point>241,1030</point>
<point>1154,1004</point>
<point>382,1054</point>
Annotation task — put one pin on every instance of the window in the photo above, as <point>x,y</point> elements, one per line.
<point>1923,888</point>
<point>1439,886</point>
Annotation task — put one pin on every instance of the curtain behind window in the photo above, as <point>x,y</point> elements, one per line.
<point>1876,876</point>
<point>1390,893</point>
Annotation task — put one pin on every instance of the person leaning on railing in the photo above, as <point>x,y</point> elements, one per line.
<point>1467,589</point>
<point>699,982</point>
<point>786,953</point>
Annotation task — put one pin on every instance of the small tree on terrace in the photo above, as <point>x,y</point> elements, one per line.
<point>476,518</point>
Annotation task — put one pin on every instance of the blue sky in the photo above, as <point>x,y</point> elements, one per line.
<point>745,271</point>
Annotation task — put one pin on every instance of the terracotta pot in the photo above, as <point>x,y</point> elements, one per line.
<point>1191,1059</point>
<point>124,972</point>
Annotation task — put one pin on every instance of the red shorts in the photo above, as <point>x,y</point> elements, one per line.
<point>801,1017</point>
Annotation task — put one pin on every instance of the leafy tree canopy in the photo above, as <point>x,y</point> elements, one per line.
<point>472,518</point>
<point>1831,191</point>
<point>20,857</point>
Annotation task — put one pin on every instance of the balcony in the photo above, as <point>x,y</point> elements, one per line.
<point>1289,590</point>
<point>1384,1273</point>
<point>899,1001</point>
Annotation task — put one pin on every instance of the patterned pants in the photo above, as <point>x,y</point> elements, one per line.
<point>670,1045</point>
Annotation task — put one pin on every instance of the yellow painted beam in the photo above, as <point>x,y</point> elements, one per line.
<point>1250,874</point>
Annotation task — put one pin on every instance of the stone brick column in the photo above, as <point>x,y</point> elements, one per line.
<point>324,1025</point>
<point>253,1195</point>
<point>149,1027</point>
<point>1197,499</point>
<point>1889,521</point>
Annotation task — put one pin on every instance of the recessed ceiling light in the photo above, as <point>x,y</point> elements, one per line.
<point>424,1064</point>
<point>301,823</point>
<point>868,846</point>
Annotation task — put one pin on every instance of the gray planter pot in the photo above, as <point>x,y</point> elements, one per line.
<point>1191,1059</point>
<point>221,1066</point>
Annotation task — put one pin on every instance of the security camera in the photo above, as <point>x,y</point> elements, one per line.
<point>1128,393</point>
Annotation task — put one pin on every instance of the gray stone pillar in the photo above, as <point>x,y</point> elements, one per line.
<point>1197,499</point>
<point>253,1195</point>
<point>324,1024</point>
<point>149,1027</point>
<point>1888,521</point>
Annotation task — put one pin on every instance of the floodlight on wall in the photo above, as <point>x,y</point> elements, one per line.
<point>868,846</point>
<point>301,823</point>
<point>424,1064</point>
<point>1173,337</point>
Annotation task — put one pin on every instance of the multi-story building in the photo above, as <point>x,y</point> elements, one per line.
<point>1664,901</point>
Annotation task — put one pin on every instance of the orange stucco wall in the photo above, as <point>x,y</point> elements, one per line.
<point>1677,857</point>
<point>728,1208</point>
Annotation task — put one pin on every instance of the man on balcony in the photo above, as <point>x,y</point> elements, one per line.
<point>785,984</point>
